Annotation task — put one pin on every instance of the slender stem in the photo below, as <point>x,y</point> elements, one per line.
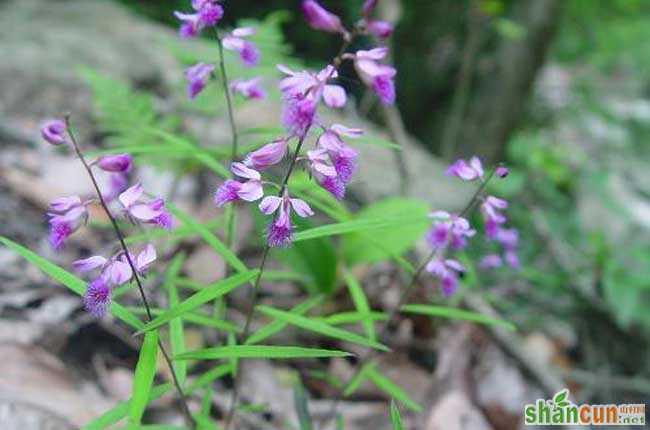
<point>230,222</point>
<point>234,398</point>
<point>120,237</point>
<point>404,297</point>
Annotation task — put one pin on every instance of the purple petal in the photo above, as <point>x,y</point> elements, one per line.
<point>251,191</point>
<point>270,204</point>
<point>53,131</point>
<point>88,264</point>
<point>334,96</point>
<point>241,170</point>
<point>118,272</point>
<point>145,258</point>
<point>131,195</point>
<point>227,192</point>
<point>302,208</point>
<point>319,18</point>
<point>97,298</point>
<point>115,163</point>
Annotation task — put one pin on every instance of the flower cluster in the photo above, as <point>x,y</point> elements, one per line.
<point>331,162</point>
<point>451,232</point>
<point>113,272</point>
<point>67,214</point>
<point>207,14</point>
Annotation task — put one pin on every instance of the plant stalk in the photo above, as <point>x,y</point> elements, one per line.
<point>120,236</point>
<point>404,297</point>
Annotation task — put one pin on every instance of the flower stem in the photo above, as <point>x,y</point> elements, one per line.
<point>120,237</point>
<point>404,297</point>
<point>230,222</point>
<point>234,398</point>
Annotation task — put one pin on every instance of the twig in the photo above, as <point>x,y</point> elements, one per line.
<point>120,237</point>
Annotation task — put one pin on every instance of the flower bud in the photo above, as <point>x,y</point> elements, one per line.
<point>380,29</point>
<point>115,163</point>
<point>53,131</point>
<point>502,171</point>
<point>319,18</point>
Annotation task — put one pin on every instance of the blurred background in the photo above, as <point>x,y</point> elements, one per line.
<point>559,90</point>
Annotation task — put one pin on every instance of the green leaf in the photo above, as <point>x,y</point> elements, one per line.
<point>69,280</point>
<point>176,334</point>
<point>277,325</point>
<point>211,292</point>
<point>213,241</point>
<point>320,327</point>
<point>198,318</point>
<point>360,302</point>
<point>210,376</point>
<point>260,351</point>
<point>455,314</point>
<point>145,371</point>
<point>392,389</point>
<point>395,418</point>
<point>384,223</point>
<point>356,381</point>
<point>407,221</point>
<point>120,410</point>
<point>353,317</point>
<point>301,406</point>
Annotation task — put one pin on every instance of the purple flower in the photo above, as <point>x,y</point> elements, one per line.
<point>53,131</point>
<point>280,230</point>
<point>197,77</point>
<point>466,171</point>
<point>380,29</point>
<point>151,212</point>
<point>303,84</point>
<point>508,238</point>
<point>298,114</point>
<point>490,208</point>
<point>248,88</point>
<point>378,77</point>
<point>343,157</point>
<point>191,24</point>
<point>117,271</point>
<point>368,6</point>
<point>210,13</point>
<point>97,298</point>
<point>66,216</point>
<point>320,19</point>
<point>89,264</point>
<point>268,155</point>
<point>501,171</point>
<point>232,190</point>
<point>117,183</point>
<point>512,259</point>
<point>145,259</point>
<point>248,52</point>
<point>490,261</point>
<point>447,271</point>
<point>449,230</point>
<point>115,163</point>
<point>62,205</point>
<point>325,173</point>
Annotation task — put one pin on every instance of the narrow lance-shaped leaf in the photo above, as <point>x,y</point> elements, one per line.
<point>395,417</point>
<point>455,314</point>
<point>360,302</point>
<point>176,333</point>
<point>209,293</point>
<point>301,405</point>
<point>260,351</point>
<point>392,389</point>
<point>145,371</point>
<point>358,225</point>
<point>75,284</point>
<point>320,327</point>
<point>277,325</point>
<point>120,410</point>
